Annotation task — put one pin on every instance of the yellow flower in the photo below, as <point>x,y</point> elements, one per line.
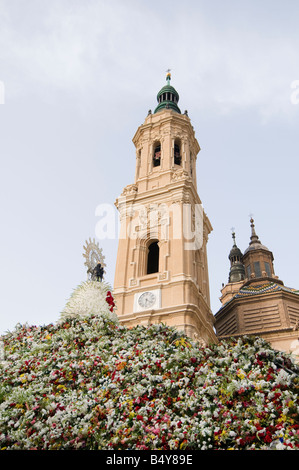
<point>183,444</point>
<point>240,374</point>
<point>282,418</point>
<point>130,403</point>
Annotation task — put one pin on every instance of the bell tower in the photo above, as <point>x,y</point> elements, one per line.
<point>161,269</point>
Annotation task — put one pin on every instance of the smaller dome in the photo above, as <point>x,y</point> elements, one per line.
<point>170,89</point>
<point>168,97</point>
<point>235,253</point>
<point>237,269</point>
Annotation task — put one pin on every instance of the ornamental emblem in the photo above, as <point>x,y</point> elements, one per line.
<point>94,260</point>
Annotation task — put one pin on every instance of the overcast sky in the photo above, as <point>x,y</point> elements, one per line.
<point>77,78</point>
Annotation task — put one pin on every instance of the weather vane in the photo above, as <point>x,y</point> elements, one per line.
<point>94,260</point>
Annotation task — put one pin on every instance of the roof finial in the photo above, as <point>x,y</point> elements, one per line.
<point>237,270</point>
<point>254,238</point>
<point>168,75</point>
<point>233,235</point>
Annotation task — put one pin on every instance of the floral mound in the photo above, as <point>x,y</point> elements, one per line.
<point>92,384</point>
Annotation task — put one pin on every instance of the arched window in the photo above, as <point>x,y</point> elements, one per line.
<point>157,154</point>
<point>153,258</point>
<point>177,153</point>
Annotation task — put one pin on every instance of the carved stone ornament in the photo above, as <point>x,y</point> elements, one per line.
<point>129,190</point>
<point>179,175</point>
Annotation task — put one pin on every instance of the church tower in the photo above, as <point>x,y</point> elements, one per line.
<point>256,302</point>
<point>161,269</point>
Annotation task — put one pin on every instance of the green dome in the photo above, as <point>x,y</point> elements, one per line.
<point>168,97</point>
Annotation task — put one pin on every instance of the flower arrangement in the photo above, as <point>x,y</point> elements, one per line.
<point>89,383</point>
<point>90,297</point>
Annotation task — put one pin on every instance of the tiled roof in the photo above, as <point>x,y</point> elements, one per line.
<point>259,289</point>
<point>263,289</point>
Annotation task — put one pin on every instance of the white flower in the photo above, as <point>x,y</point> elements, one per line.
<point>89,298</point>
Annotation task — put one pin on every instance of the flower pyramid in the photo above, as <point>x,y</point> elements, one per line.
<point>89,383</point>
<point>90,297</point>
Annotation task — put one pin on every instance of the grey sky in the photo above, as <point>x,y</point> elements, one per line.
<point>80,76</point>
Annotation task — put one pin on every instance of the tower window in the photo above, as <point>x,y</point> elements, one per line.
<point>177,154</point>
<point>248,268</point>
<point>153,258</point>
<point>157,155</point>
<point>267,268</point>
<point>257,269</point>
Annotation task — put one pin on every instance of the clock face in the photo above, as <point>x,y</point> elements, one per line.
<point>147,299</point>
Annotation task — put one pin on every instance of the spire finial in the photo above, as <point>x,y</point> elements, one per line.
<point>233,235</point>
<point>237,270</point>
<point>168,75</point>
<point>254,238</point>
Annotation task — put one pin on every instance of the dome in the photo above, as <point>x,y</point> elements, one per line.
<point>255,243</point>
<point>168,97</point>
<point>237,270</point>
<point>235,252</point>
<point>256,246</point>
<point>170,89</point>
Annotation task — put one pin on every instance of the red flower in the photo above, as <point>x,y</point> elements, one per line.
<point>110,301</point>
